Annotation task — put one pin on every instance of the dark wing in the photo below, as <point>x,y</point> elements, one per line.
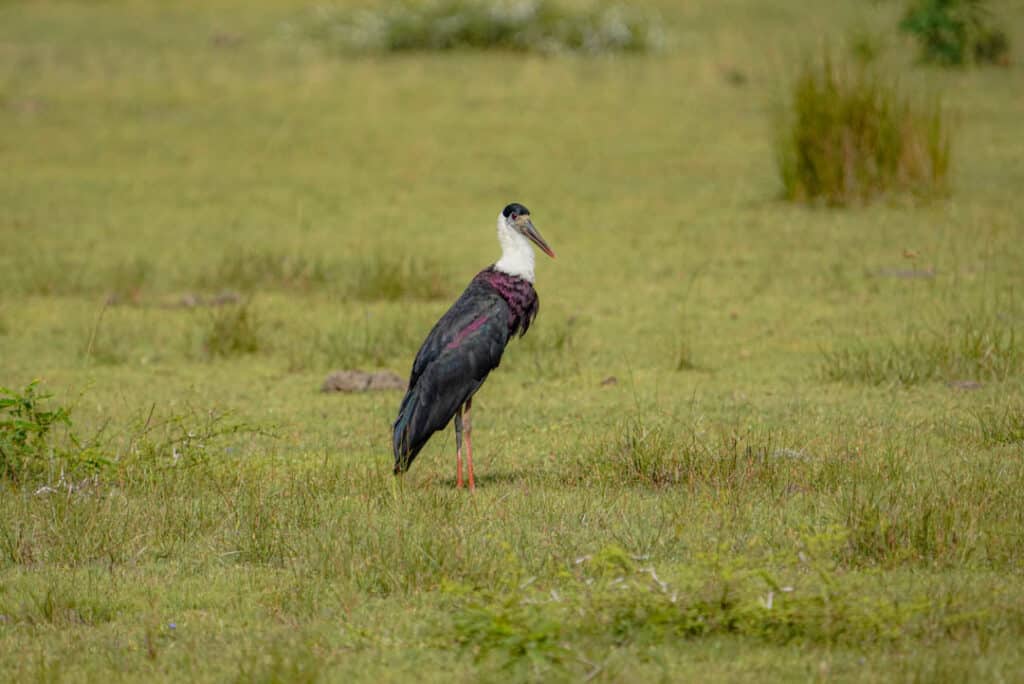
<point>464,346</point>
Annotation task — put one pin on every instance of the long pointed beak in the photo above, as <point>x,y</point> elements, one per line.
<point>531,232</point>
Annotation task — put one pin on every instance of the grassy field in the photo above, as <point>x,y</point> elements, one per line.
<point>809,464</point>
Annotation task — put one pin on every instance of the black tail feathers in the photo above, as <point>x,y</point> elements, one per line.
<point>404,447</point>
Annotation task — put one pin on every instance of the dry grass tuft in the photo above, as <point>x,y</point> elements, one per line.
<point>849,138</point>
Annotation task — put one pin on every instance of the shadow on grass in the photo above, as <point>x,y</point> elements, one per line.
<point>490,478</point>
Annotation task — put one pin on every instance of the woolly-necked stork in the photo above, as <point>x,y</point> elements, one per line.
<point>467,344</point>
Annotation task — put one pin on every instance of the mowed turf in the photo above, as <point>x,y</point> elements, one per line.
<point>746,440</point>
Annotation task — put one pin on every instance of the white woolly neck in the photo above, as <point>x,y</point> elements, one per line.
<point>516,252</point>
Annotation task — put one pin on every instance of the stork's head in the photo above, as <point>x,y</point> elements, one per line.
<point>515,233</point>
<point>517,219</point>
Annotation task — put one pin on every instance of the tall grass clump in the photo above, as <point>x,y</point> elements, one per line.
<point>956,32</point>
<point>848,138</point>
<point>976,348</point>
<point>542,26</point>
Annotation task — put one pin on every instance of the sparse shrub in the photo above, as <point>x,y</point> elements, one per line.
<point>507,626</point>
<point>544,26</point>
<point>849,138</point>
<point>976,348</point>
<point>37,442</point>
<point>183,437</point>
<point>26,425</point>
<point>956,32</point>
<point>232,330</point>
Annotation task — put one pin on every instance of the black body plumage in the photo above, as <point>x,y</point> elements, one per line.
<point>464,346</point>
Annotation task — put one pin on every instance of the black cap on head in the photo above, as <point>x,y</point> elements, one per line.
<point>515,208</point>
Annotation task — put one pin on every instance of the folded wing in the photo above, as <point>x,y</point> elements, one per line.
<point>464,346</point>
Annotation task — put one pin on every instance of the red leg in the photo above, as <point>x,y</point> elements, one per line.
<point>458,469</point>
<point>469,444</point>
<point>458,450</point>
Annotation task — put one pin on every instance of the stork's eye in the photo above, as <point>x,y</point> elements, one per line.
<point>514,216</point>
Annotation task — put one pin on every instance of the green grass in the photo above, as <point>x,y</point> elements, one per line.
<point>980,347</point>
<point>809,465</point>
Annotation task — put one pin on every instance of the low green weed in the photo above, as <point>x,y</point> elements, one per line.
<point>186,436</point>
<point>27,424</point>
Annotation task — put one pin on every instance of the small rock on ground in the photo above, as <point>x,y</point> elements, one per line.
<point>361,381</point>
